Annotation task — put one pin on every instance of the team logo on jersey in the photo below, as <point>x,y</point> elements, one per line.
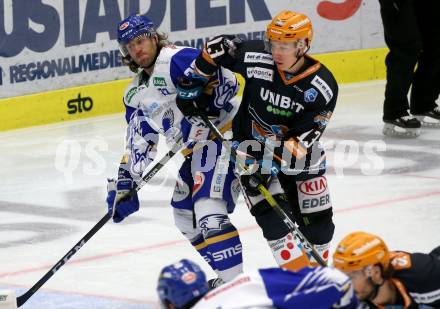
<point>224,93</point>
<point>310,95</point>
<point>323,87</point>
<point>258,58</point>
<point>260,73</point>
<point>159,81</point>
<point>167,120</point>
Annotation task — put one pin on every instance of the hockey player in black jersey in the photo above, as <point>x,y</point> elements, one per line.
<point>385,279</point>
<point>287,102</point>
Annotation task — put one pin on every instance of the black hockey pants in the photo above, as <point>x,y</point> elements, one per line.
<point>412,34</point>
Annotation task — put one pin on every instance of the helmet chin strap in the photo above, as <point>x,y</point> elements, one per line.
<point>375,291</point>
<point>298,57</point>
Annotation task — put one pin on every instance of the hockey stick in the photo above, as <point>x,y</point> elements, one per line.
<point>147,177</point>
<point>270,199</point>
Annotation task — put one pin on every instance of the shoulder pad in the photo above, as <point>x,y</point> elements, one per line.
<point>400,260</point>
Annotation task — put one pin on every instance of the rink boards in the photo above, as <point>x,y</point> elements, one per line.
<point>106,98</point>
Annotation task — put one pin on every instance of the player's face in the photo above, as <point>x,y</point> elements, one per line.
<point>142,50</point>
<point>363,287</point>
<point>284,54</point>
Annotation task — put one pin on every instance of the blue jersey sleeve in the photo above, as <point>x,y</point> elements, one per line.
<point>319,288</point>
<point>181,61</point>
<point>128,112</point>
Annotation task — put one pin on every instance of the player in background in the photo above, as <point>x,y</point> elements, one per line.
<point>387,279</point>
<point>287,102</point>
<point>202,198</point>
<point>183,285</point>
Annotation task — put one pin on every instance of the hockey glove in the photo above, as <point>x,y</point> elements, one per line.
<point>262,176</point>
<point>190,97</point>
<point>219,51</point>
<point>251,182</point>
<point>120,205</point>
<point>398,4</point>
<point>222,49</point>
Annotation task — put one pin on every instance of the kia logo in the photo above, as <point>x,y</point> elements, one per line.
<point>313,186</point>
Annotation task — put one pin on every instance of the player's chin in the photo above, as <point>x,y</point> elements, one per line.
<point>145,62</point>
<point>282,67</point>
<point>362,296</point>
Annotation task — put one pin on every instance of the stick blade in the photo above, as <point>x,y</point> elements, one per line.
<point>8,299</point>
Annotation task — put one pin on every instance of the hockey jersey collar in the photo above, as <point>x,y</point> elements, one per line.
<point>310,70</point>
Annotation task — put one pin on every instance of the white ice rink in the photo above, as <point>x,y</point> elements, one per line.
<point>53,181</point>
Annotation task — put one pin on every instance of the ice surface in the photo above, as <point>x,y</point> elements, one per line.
<point>53,181</point>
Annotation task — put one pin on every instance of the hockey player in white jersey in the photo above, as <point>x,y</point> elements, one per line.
<point>183,285</point>
<point>206,188</point>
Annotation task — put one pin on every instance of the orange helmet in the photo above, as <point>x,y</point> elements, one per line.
<point>289,26</point>
<point>360,249</point>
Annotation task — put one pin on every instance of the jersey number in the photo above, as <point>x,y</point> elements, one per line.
<point>215,47</point>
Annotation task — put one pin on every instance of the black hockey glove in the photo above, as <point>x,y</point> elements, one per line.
<point>222,49</point>
<point>262,176</point>
<point>190,97</point>
<point>251,182</point>
<point>219,51</point>
<point>398,4</point>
